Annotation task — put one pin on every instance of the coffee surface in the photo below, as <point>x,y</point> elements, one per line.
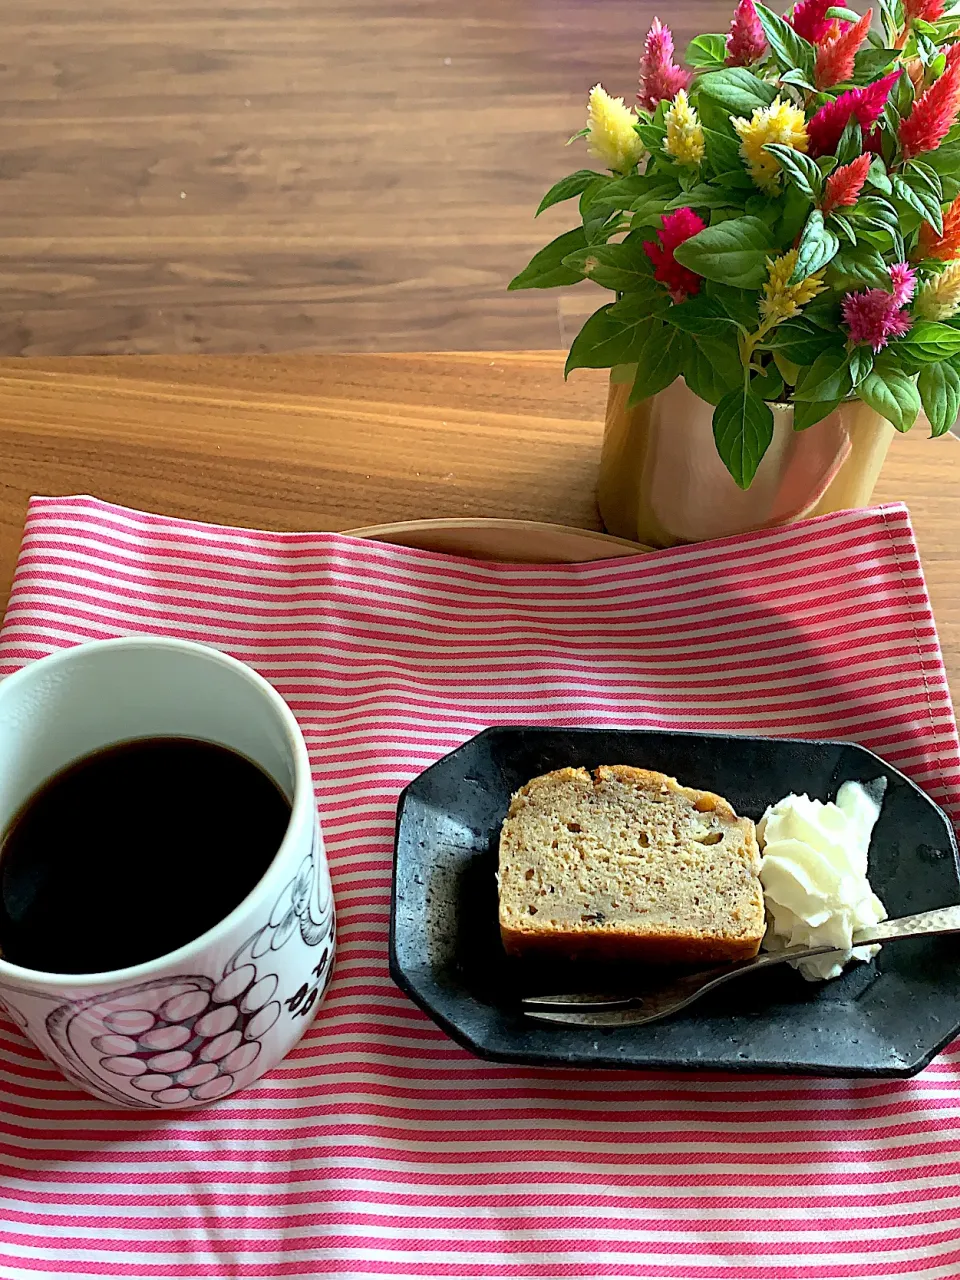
<point>130,852</point>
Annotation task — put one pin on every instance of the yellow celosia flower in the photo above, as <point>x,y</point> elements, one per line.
<point>684,140</point>
<point>940,297</point>
<point>781,300</point>
<point>611,137</point>
<point>780,122</point>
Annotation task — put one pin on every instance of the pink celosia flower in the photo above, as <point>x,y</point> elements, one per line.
<point>864,105</point>
<point>874,316</point>
<point>660,77</point>
<point>746,41</point>
<point>836,53</point>
<point>809,19</point>
<point>904,283</point>
<point>926,10</point>
<point>934,112</point>
<point>844,185</point>
<point>677,227</point>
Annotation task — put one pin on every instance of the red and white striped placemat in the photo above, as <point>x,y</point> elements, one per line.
<point>380,1148</point>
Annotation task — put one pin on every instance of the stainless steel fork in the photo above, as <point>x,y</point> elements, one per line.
<point>676,993</point>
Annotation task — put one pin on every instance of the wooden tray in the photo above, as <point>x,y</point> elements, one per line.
<point>514,541</point>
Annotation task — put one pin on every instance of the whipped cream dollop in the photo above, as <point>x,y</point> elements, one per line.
<point>814,875</point>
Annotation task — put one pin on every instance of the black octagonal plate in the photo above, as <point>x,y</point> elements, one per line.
<point>886,1018</point>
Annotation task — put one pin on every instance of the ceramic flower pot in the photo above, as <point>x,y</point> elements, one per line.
<point>662,480</point>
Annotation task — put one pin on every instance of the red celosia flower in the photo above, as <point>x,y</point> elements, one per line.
<point>845,184</point>
<point>809,19</point>
<point>677,227</point>
<point>945,247</point>
<point>864,105</point>
<point>660,77</point>
<point>926,10</point>
<point>746,41</point>
<point>934,111</point>
<point>873,142</point>
<point>835,55</point>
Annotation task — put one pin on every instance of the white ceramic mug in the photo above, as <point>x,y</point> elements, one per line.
<point>245,989</point>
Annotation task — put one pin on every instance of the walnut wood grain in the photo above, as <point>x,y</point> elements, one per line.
<point>342,441</point>
<point>277,175</point>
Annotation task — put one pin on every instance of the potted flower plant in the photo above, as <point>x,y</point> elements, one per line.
<point>780,225</point>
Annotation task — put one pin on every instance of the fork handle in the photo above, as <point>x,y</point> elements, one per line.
<point>942,920</point>
<point>690,986</point>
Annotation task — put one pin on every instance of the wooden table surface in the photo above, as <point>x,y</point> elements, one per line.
<point>281,175</point>
<point>342,441</point>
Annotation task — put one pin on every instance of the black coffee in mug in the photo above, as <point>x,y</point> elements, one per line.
<point>132,851</point>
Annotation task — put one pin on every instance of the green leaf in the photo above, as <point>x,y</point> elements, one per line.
<point>911,192</point>
<point>799,342</point>
<point>659,360</point>
<point>711,367</point>
<point>706,51</point>
<point>769,384</point>
<point>743,429</point>
<point>828,378</point>
<point>845,226</point>
<point>902,94</point>
<point>702,315</point>
<point>799,169</point>
<point>545,269</point>
<point>732,252</point>
<point>810,412</point>
<point>861,363</point>
<point>573,185</point>
<point>893,394</point>
<point>703,196</point>
<point>652,136</point>
<point>824,312</point>
<point>722,150</point>
<point>799,78</point>
<point>922,175</point>
<point>625,192</point>
<point>623,266</point>
<point>601,223</point>
<point>876,209</point>
<point>739,304</point>
<point>650,203</point>
<point>737,89</point>
<point>607,340</point>
<point>736,180</point>
<point>929,341</point>
<point>818,246</point>
<point>878,177</point>
<point>869,64</point>
<point>945,160</point>
<point>591,192</point>
<point>788,370</point>
<point>789,49</point>
<point>939,387</point>
<point>796,208</point>
<point>768,209</point>
<point>863,265</point>
<point>851,142</point>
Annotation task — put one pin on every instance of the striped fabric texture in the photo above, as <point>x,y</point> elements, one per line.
<point>380,1148</point>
